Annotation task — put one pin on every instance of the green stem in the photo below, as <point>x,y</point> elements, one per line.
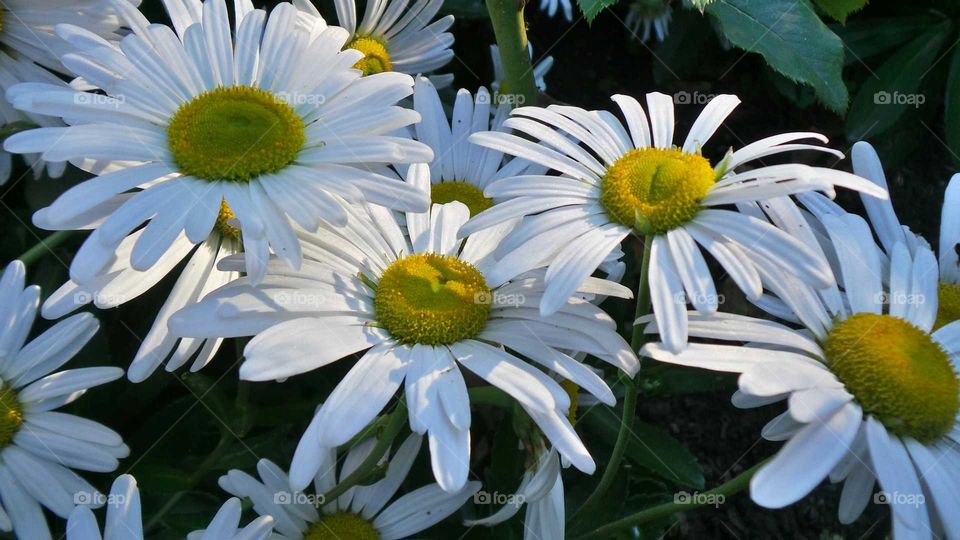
<point>511,33</point>
<point>44,246</point>
<point>712,497</point>
<point>212,458</point>
<point>398,419</point>
<point>629,392</point>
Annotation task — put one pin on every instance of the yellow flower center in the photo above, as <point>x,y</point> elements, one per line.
<point>11,415</point>
<point>948,304</point>
<point>897,373</point>
<point>468,194</point>
<point>375,59</point>
<point>573,392</point>
<point>3,14</point>
<point>654,190</point>
<point>340,526</point>
<point>235,133</point>
<point>224,223</point>
<point>432,299</point>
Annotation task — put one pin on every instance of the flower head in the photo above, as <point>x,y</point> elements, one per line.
<point>615,181</point>
<point>362,513</point>
<point>40,447</point>
<point>123,519</point>
<point>421,304</point>
<point>872,391</point>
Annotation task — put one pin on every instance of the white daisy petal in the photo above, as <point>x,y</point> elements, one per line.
<point>806,460</point>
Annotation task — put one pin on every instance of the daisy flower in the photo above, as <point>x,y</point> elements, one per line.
<point>461,170</point>
<point>39,448</point>
<point>27,38</point>
<point>540,70</point>
<point>27,27</point>
<point>120,282</point>
<point>650,15</point>
<point>395,36</point>
<point>421,303</point>
<point>541,490</point>
<point>550,8</point>
<point>872,390</point>
<point>124,521</point>
<point>616,183</point>
<point>362,513</point>
<point>866,163</point>
<point>270,127</point>
<point>14,71</point>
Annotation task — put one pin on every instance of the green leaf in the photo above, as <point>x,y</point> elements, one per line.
<point>841,9</point>
<point>952,108</point>
<point>793,41</point>
<point>866,38</point>
<point>895,86</point>
<point>592,8</point>
<point>650,447</point>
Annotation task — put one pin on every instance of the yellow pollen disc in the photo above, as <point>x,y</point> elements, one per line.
<point>11,415</point>
<point>375,59</point>
<point>468,194</point>
<point>235,133</point>
<point>654,190</point>
<point>897,373</point>
<point>432,299</point>
<point>948,304</point>
<point>223,224</point>
<point>573,391</point>
<point>340,526</point>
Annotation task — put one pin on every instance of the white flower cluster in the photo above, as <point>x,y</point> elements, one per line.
<point>313,192</point>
